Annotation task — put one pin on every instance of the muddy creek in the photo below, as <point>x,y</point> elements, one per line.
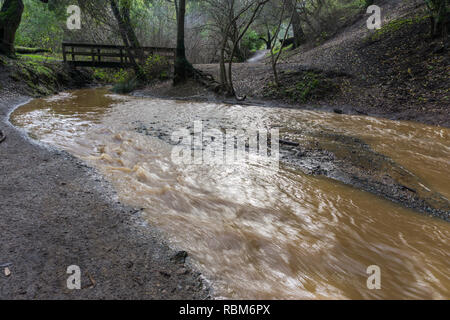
<point>260,233</point>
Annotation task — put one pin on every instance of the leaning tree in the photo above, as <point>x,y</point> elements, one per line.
<point>439,16</point>
<point>10,17</point>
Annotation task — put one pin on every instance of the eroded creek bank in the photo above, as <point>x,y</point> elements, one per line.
<point>308,229</point>
<point>56,212</point>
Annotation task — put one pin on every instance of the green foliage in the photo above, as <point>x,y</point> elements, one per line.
<point>437,8</point>
<point>368,3</point>
<point>156,67</point>
<point>29,68</point>
<point>101,75</point>
<point>301,88</point>
<point>439,11</point>
<point>38,57</point>
<point>252,42</point>
<point>304,89</point>
<point>277,49</point>
<point>41,79</point>
<point>395,25</point>
<point>126,86</point>
<point>40,26</point>
<point>123,80</point>
<point>112,75</point>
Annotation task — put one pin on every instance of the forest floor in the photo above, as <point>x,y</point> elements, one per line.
<point>397,72</point>
<point>56,212</point>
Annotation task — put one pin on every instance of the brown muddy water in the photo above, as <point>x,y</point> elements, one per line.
<point>256,232</point>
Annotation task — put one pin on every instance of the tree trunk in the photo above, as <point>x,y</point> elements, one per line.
<point>131,35</point>
<point>273,58</point>
<point>123,33</point>
<point>268,41</point>
<point>441,21</point>
<point>230,89</point>
<point>439,17</point>
<point>183,69</point>
<point>10,17</point>
<point>299,35</point>
<point>241,57</point>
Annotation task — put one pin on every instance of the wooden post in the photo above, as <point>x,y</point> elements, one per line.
<point>73,56</point>
<point>64,53</point>
<point>99,55</point>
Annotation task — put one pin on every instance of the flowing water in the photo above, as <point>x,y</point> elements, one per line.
<point>257,232</point>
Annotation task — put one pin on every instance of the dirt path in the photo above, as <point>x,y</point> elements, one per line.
<point>56,212</point>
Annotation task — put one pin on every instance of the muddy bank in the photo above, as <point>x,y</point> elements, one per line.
<point>58,212</point>
<point>352,161</point>
<point>36,78</point>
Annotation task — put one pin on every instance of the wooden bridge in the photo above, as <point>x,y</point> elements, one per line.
<point>108,56</point>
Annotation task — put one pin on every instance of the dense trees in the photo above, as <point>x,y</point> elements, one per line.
<point>10,18</point>
<point>203,31</point>
<point>232,18</point>
<point>154,23</point>
<point>440,19</point>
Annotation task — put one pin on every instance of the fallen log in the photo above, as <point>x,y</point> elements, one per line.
<point>25,50</point>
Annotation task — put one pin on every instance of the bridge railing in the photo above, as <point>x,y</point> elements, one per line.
<point>104,55</point>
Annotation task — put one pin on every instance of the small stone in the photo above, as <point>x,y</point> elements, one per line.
<point>180,257</point>
<point>181,271</point>
<point>7,272</point>
<point>165,274</point>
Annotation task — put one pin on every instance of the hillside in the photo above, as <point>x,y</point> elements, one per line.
<point>397,72</point>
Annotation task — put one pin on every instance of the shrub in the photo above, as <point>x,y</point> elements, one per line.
<point>125,86</point>
<point>112,75</point>
<point>157,67</point>
<point>251,42</point>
